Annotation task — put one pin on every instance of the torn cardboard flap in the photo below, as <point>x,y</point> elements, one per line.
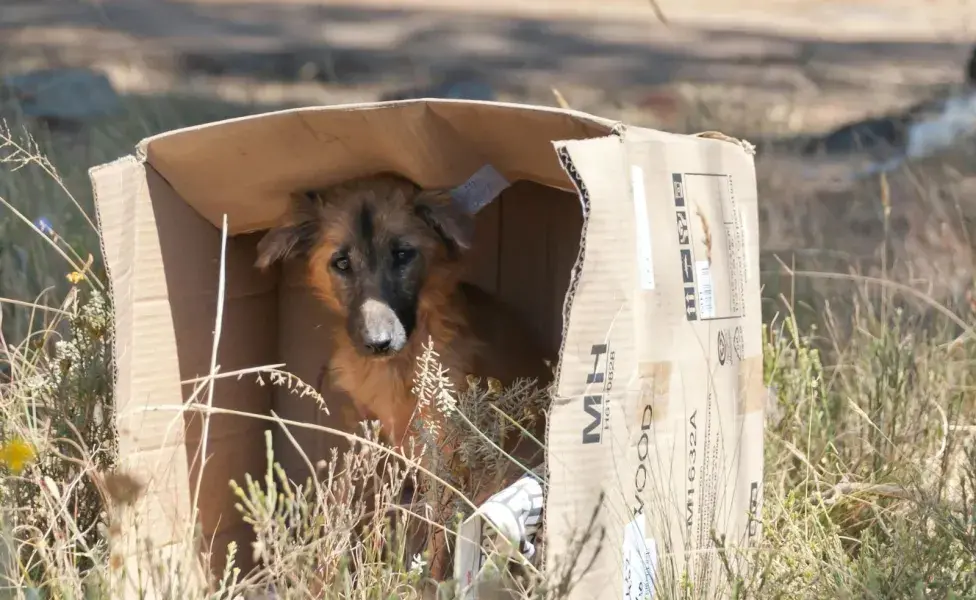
<point>582,227</point>
<point>670,288</point>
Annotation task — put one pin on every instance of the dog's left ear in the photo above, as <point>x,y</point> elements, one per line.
<point>439,211</point>
<point>294,239</point>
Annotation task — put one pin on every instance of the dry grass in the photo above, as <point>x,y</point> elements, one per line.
<point>65,509</point>
<point>870,462</point>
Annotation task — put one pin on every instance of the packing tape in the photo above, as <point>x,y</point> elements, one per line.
<point>656,387</point>
<point>480,189</point>
<point>752,386</point>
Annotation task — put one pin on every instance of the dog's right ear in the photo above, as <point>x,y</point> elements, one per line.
<point>295,239</point>
<point>439,211</point>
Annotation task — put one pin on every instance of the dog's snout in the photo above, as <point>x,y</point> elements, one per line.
<point>382,331</point>
<point>378,345</point>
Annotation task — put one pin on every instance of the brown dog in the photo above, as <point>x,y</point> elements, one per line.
<point>386,257</point>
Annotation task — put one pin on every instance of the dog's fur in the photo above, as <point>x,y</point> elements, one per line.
<point>385,256</point>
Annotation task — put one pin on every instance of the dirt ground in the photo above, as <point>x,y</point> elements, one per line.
<point>796,65</point>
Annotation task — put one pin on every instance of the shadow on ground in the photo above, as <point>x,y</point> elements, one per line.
<point>355,46</point>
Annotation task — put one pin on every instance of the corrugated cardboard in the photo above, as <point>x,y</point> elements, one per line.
<point>631,253</point>
<point>660,389</point>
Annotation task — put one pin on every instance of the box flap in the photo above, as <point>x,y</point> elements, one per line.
<point>139,292</point>
<point>247,167</point>
<point>657,425</point>
<point>151,444</point>
<point>598,315</point>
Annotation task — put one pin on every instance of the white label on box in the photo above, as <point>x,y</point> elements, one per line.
<point>645,262</point>
<point>640,561</point>
<point>480,189</point>
<point>706,296</point>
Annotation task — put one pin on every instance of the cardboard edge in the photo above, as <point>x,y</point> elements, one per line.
<point>93,175</point>
<point>747,147</point>
<point>566,163</point>
<point>132,557</point>
<point>472,530</point>
<point>618,131</point>
<point>142,146</point>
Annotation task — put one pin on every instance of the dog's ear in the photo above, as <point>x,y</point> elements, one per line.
<point>439,211</point>
<point>295,239</point>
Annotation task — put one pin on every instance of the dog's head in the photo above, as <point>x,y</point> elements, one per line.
<point>375,248</point>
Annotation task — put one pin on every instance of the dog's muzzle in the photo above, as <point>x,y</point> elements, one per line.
<point>382,331</point>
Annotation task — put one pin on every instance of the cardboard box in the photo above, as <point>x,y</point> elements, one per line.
<point>633,255</point>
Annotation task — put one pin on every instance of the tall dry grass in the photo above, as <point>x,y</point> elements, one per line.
<point>65,519</point>
<point>870,461</point>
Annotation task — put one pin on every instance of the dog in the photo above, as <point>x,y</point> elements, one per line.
<point>386,257</point>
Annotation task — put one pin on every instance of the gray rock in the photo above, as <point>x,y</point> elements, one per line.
<point>62,94</point>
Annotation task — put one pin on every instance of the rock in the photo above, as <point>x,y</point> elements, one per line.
<point>869,135</point>
<point>924,129</point>
<point>62,94</point>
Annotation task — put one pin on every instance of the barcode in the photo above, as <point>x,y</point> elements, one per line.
<point>706,299</point>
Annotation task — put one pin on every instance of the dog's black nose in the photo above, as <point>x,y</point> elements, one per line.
<point>379,346</point>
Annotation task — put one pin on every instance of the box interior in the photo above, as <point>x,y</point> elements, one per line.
<point>526,244</point>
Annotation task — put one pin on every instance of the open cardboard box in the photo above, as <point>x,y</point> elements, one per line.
<point>632,253</point>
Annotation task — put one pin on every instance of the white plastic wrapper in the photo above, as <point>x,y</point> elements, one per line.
<point>513,515</point>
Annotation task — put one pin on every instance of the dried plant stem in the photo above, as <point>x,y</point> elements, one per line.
<point>274,418</point>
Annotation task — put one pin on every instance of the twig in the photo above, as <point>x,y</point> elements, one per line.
<point>659,13</point>
<point>907,290</point>
<point>945,431</point>
<point>76,266</point>
<point>218,322</point>
<point>887,490</point>
<point>846,488</point>
<point>201,408</point>
<point>560,100</point>
<point>34,305</point>
<point>237,374</point>
<point>22,156</point>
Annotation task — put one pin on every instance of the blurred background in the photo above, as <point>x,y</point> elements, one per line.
<point>832,92</point>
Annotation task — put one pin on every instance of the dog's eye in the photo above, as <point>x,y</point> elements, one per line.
<point>402,256</point>
<point>341,263</point>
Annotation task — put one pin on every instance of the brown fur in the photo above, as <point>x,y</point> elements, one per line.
<point>471,331</point>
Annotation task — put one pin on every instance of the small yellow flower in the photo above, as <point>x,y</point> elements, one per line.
<point>15,455</point>
<point>75,277</point>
